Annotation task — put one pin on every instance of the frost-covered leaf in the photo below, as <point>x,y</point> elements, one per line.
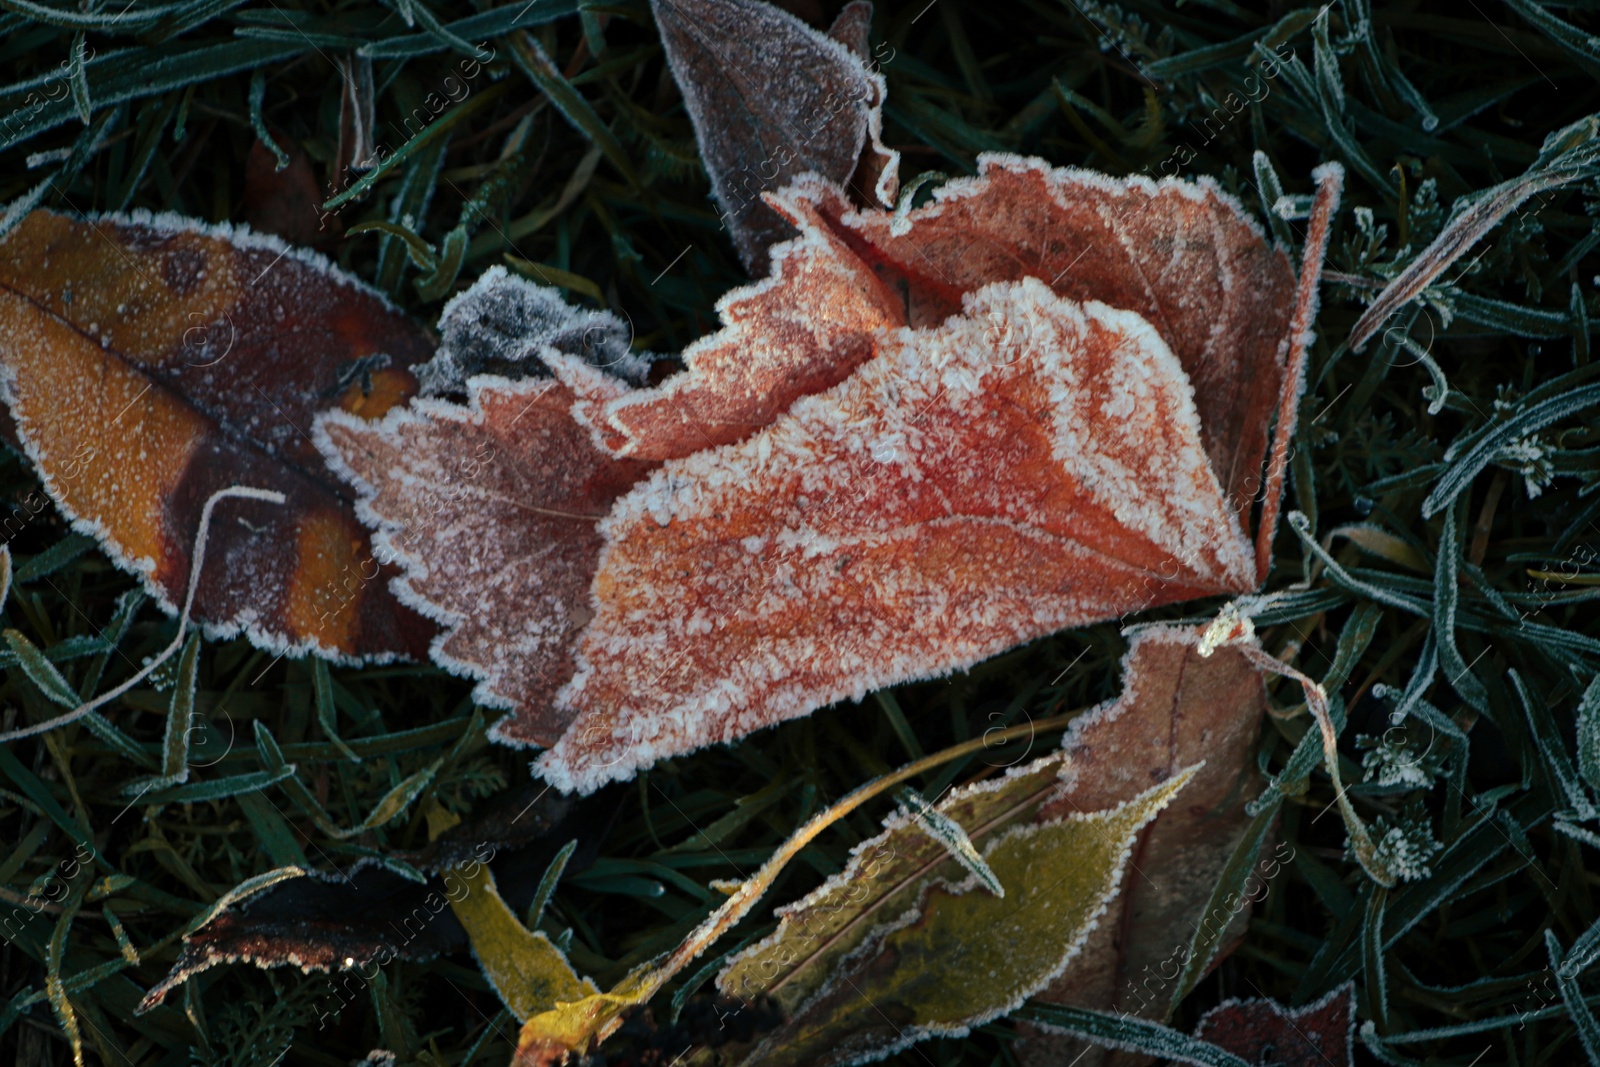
<point>883,879</point>
<point>1320,1034</point>
<point>1181,255</point>
<point>525,967</point>
<point>960,955</point>
<point>960,494</point>
<point>352,920</point>
<point>580,1025</point>
<point>502,325</point>
<point>1040,401</point>
<point>949,833</point>
<point>1176,704</point>
<point>801,330</point>
<point>491,508</point>
<point>1178,707</point>
<point>771,99</point>
<point>150,361</point>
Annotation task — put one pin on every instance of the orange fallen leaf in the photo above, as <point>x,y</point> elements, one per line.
<point>1041,458</point>
<point>151,361</point>
<point>801,330</point>
<point>1040,401</point>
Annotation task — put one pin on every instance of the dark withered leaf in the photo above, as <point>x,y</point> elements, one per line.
<point>1263,1031</point>
<point>338,921</point>
<point>770,99</point>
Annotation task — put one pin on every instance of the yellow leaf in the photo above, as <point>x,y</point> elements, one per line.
<point>580,1025</point>
<point>440,818</point>
<point>964,956</point>
<point>1378,542</point>
<point>528,972</point>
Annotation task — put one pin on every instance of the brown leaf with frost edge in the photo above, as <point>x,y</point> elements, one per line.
<point>366,914</point>
<point>1013,452</point>
<point>1178,706</point>
<point>151,360</point>
<point>1177,709</point>
<point>1319,1034</point>
<point>771,99</point>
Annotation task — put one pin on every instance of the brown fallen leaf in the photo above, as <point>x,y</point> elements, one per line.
<point>1178,706</point>
<point>1320,1034</point>
<point>1182,255</point>
<point>287,202</point>
<point>346,921</point>
<point>1035,462</point>
<point>151,361</point>
<point>772,99</point>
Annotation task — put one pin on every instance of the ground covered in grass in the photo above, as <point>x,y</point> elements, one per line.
<point>589,175</point>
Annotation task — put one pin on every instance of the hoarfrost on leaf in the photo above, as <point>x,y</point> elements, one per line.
<point>508,326</point>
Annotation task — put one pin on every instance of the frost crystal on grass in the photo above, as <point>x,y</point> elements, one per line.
<point>1389,763</point>
<point>1405,846</point>
<point>1526,456</point>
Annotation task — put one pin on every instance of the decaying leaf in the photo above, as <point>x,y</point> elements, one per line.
<point>501,325</point>
<point>1035,861</point>
<point>345,922</point>
<point>1321,1034</point>
<point>287,202</point>
<point>876,932</point>
<point>526,968</point>
<point>1033,461</point>
<point>772,99</point>
<point>150,362</point>
<point>1039,401</point>
<point>883,880</point>
<point>1178,706</point>
<point>1177,709</point>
